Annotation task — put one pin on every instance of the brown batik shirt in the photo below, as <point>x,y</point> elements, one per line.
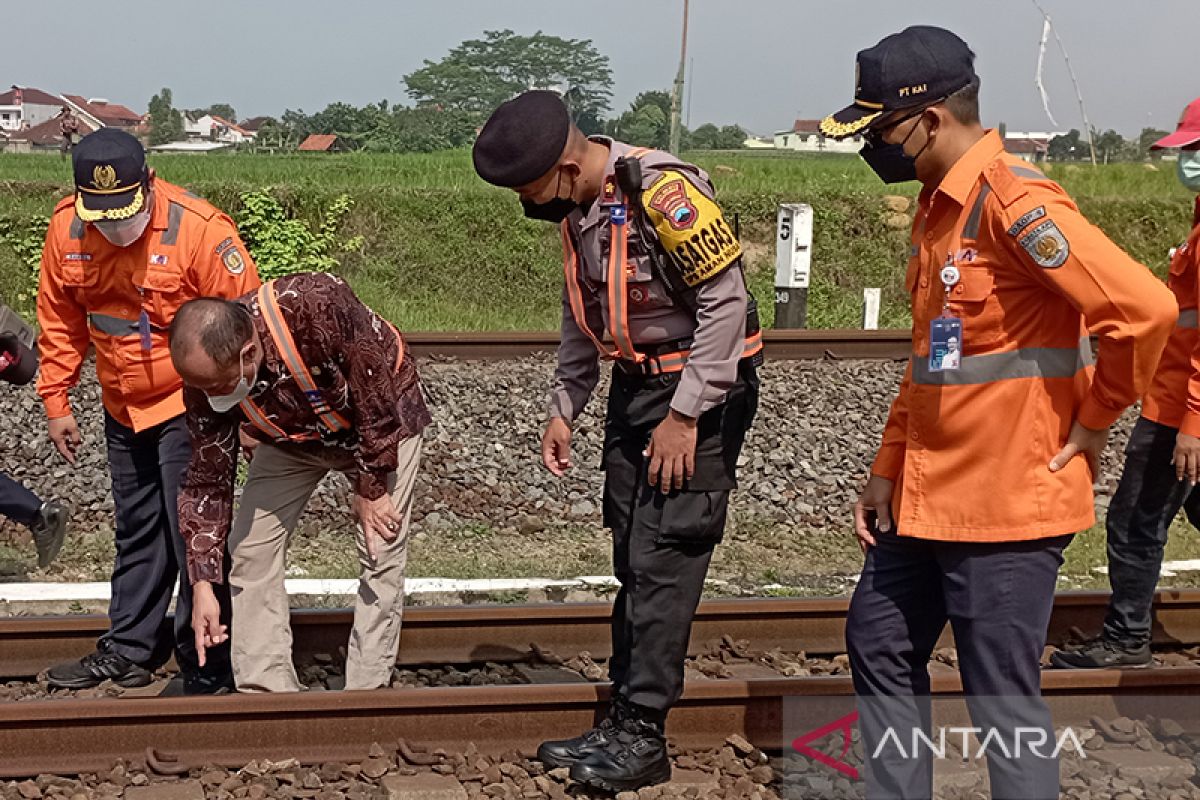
<point>351,354</point>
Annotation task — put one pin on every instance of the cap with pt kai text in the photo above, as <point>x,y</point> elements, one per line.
<point>918,66</point>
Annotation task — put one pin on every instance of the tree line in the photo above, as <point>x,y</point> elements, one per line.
<point>1110,146</point>
<point>452,97</point>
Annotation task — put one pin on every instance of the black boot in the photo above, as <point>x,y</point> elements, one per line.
<point>636,757</point>
<point>565,752</point>
<point>93,670</point>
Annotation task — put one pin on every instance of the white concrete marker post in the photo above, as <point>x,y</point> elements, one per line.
<point>871,309</point>
<point>793,262</point>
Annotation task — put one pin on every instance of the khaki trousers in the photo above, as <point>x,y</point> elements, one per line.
<point>278,486</point>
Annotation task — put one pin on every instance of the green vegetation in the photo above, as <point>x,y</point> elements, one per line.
<point>432,247</point>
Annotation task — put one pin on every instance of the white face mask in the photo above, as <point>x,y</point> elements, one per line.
<point>1188,169</point>
<point>225,402</point>
<point>124,232</point>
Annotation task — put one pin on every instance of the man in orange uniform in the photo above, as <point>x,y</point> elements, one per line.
<point>121,256</point>
<point>987,460</point>
<point>1162,459</point>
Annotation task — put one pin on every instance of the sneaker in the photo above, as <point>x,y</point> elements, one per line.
<point>637,757</point>
<point>1102,653</point>
<point>95,669</point>
<point>565,752</point>
<point>49,530</point>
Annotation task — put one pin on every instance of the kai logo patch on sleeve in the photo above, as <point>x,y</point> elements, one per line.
<point>233,261</point>
<point>1046,245</point>
<point>691,227</point>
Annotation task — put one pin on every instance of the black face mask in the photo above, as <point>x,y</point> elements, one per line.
<point>555,209</point>
<point>889,161</point>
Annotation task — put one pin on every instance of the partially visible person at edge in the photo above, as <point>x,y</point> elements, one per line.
<point>1162,458</point>
<point>46,519</point>
<point>964,519</point>
<point>122,254</point>
<point>319,382</point>
<point>649,258</point>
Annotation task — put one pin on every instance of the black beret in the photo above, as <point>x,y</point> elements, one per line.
<point>522,139</point>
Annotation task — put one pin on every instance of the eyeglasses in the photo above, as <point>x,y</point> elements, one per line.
<point>874,136</point>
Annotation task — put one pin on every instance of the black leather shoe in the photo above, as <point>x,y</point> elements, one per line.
<point>636,757</point>
<point>188,684</point>
<point>1102,653</point>
<point>49,530</point>
<point>208,683</point>
<point>95,669</point>
<point>565,752</point>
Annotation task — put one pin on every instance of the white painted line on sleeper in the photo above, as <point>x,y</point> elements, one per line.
<point>52,592</point>
<point>1169,568</point>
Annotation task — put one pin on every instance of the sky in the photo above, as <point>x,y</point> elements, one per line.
<point>757,63</point>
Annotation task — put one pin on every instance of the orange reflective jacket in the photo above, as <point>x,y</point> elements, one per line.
<point>1174,397</point>
<point>122,299</point>
<point>970,448</point>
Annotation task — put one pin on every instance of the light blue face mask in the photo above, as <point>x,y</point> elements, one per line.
<point>1188,169</point>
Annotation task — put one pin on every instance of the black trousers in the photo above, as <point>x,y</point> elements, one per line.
<point>1138,521</point>
<point>18,503</point>
<point>147,468</point>
<point>997,598</point>
<point>662,544</point>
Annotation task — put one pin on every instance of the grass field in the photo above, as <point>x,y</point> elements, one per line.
<point>443,251</point>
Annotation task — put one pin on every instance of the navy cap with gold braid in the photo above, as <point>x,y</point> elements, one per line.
<point>110,171</point>
<point>919,66</point>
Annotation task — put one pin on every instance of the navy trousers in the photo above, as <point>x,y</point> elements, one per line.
<point>18,503</point>
<point>997,598</point>
<point>1139,519</point>
<point>147,468</point>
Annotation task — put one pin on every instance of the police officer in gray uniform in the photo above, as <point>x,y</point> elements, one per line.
<point>649,260</point>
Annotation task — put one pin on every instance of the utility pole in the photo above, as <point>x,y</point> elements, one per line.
<point>677,94</point>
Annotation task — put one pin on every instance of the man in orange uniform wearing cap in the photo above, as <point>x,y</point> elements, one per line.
<point>987,460</point>
<point>121,256</point>
<point>1162,459</point>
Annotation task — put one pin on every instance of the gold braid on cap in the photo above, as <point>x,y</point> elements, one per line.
<point>841,130</point>
<point>91,215</point>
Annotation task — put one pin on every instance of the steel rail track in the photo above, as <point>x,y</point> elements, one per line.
<point>503,634</point>
<point>779,344</point>
<point>88,735</point>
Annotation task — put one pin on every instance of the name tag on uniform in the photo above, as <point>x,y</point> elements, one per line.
<point>945,344</point>
<point>144,330</point>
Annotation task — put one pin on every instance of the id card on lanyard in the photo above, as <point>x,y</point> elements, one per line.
<point>946,330</point>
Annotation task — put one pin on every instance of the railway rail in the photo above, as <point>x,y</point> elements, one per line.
<point>71,737</point>
<point>503,634</point>
<point>779,344</point>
